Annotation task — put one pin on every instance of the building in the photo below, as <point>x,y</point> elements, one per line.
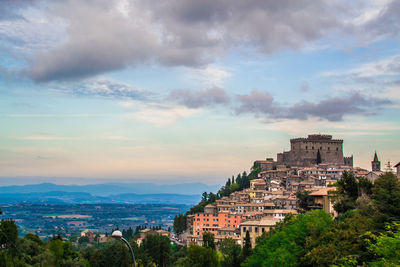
<point>212,222</point>
<point>397,166</point>
<point>256,228</point>
<point>145,232</point>
<point>322,200</point>
<point>88,233</point>
<point>304,151</point>
<point>372,176</point>
<point>278,213</point>
<point>376,164</point>
<point>102,238</point>
<point>257,184</point>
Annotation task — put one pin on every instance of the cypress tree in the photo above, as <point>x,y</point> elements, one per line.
<point>247,246</point>
<point>319,159</point>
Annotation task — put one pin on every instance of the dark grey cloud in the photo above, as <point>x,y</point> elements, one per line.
<point>102,36</point>
<point>176,32</point>
<point>204,98</point>
<point>331,109</point>
<point>256,102</point>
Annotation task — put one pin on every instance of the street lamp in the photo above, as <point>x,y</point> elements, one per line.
<point>118,235</point>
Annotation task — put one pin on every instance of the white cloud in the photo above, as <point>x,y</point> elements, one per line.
<point>209,76</point>
<point>351,126</point>
<point>160,115</point>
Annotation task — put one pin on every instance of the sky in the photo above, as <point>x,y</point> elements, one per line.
<point>183,91</point>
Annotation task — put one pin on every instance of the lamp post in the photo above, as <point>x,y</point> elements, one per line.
<point>118,235</point>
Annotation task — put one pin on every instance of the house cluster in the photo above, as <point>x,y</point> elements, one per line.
<point>99,238</point>
<point>273,195</point>
<point>257,209</point>
<point>147,231</point>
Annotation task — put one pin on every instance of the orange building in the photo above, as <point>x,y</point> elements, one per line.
<point>209,222</point>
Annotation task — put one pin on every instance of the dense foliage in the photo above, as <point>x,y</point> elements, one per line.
<point>366,233</point>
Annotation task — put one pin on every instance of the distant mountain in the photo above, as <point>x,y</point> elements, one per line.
<point>109,189</point>
<point>61,197</point>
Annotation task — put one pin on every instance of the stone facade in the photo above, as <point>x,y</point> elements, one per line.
<point>304,151</point>
<point>376,164</point>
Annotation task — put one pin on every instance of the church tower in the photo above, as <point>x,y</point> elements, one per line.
<point>376,164</point>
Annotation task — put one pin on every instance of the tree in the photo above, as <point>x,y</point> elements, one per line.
<point>201,257</point>
<point>386,246</point>
<point>346,193</point>
<point>285,247</point>
<point>204,197</point>
<point>57,249</point>
<point>83,239</point>
<point>231,251</point>
<point>341,244</point>
<point>234,187</point>
<point>319,159</point>
<point>8,235</point>
<point>158,248</point>
<point>386,199</point>
<point>247,246</point>
<point>239,180</point>
<point>304,200</point>
<point>179,223</point>
<point>211,198</point>
<point>364,187</point>
<point>208,240</point>
<point>114,254</point>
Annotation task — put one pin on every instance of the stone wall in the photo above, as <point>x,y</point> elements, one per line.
<point>303,151</point>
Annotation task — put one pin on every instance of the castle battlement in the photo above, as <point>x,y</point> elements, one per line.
<point>316,148</point>
<point>316,138</point>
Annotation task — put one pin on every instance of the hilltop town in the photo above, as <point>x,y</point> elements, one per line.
<point>299,178</point>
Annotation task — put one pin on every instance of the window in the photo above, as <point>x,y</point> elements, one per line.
<point>256,229</point>
<point>312,147</point>
<point>244,229</point>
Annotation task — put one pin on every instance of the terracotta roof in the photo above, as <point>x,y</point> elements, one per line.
<point>263,222</point>
<point>281,211</point>
<point>323,191</point>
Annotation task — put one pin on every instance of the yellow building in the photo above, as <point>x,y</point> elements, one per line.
<point>256,229</point>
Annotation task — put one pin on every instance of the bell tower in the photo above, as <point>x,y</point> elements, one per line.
<point>376,164</point>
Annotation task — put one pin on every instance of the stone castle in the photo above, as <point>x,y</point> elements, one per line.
<point>314,149</point>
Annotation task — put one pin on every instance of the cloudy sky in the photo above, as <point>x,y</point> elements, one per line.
<point>192,90</point>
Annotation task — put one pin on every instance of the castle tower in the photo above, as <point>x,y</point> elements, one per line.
<point>376,164</point>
